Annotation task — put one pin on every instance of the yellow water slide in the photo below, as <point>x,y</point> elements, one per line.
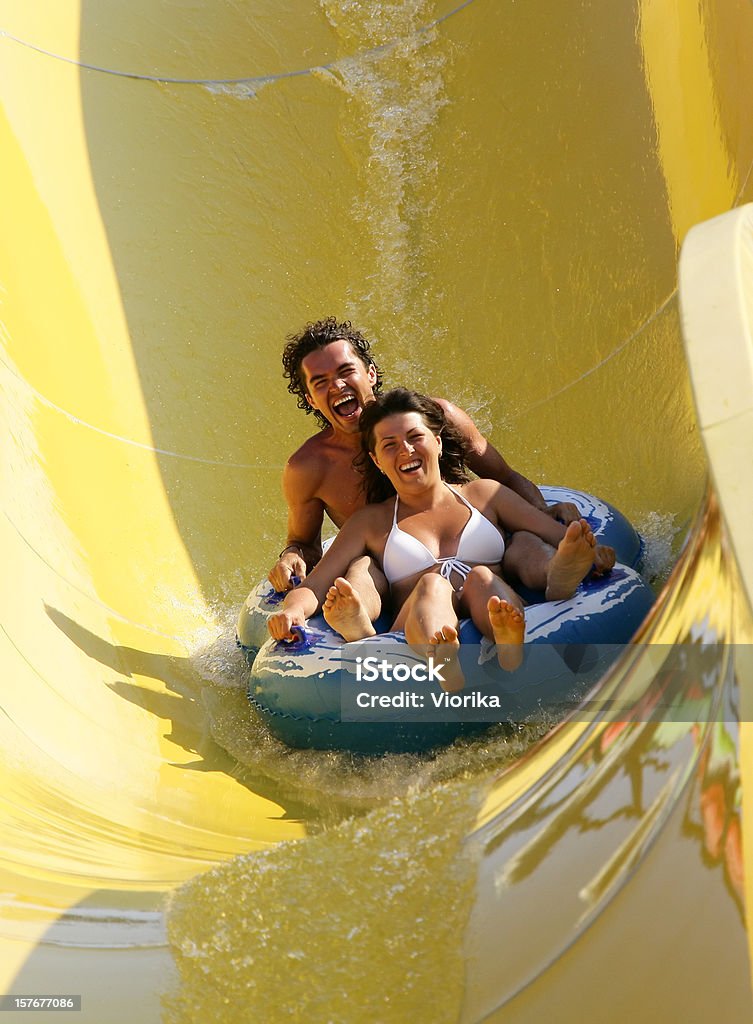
<point>497,193</point>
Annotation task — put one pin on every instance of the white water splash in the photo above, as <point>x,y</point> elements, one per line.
<point>393,75</point>
<point>660,533</point>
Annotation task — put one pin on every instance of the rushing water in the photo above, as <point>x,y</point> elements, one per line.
<point>395,89</point>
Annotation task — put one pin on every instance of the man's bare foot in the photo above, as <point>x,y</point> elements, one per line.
<point>570,562</point>
<point>604,559</point>
<point>343,610</point>
<point>508,626</point>
<point>444,648</point>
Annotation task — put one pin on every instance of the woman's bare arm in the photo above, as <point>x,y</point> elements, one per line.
<point>513,512</point>
<point>353,540</point>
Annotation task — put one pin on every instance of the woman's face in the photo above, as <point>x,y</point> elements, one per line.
<point>407,451</point>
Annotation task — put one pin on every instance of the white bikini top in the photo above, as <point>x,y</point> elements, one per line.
<point>480,543</point>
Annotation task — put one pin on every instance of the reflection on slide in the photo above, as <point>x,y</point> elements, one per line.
<point>497,193</point>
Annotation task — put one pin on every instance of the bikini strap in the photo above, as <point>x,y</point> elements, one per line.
<point>462,498</point>
<point>453,564</point>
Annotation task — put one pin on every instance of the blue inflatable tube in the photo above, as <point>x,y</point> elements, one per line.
<point>306,690</point>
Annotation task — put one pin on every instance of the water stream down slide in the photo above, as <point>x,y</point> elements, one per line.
<point>498,194</point>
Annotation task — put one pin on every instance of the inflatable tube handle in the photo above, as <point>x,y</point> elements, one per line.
<point>303,639</point>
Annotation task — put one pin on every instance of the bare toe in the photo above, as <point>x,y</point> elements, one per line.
<point>507,621</point>
<point>444,647</point>
<point>508,629</point>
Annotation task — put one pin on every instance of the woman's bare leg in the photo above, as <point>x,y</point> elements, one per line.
<point>345,612</point>
<point>508,626</point>
<point>354,601</point>
<point>497,612</point>
<point>430,623</point>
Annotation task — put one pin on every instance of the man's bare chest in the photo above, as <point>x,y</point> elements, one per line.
<point>341,493</point>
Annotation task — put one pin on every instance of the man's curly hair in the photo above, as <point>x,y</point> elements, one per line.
<point>315,336</point>
<point>401,400</point>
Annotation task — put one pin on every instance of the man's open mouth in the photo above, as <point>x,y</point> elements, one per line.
<point>411,467</point>
<point>346,406</point>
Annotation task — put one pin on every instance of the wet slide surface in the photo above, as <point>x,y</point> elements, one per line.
<point>497,194</point>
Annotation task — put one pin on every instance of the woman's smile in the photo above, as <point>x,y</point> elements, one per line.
<point>405,448</point>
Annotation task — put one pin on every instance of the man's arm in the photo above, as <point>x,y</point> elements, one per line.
<point>486,462</point>
<point>303,545</point>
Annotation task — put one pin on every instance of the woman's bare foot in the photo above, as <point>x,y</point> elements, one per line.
<point>343,610</point>
<point>508,626</point>
<point>570,562</point>
<point>444,648</point>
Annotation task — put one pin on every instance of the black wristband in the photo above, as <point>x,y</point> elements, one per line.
<point>291,547</point>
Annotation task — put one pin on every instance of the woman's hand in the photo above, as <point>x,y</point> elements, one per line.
<point>280,625</point>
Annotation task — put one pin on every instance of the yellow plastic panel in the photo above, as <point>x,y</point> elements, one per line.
<point>716,274</point>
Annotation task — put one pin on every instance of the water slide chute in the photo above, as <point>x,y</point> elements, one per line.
<point>498,194</point>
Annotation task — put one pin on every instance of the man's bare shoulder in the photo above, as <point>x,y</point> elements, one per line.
<point>314,447</point>
<point>307,466</point>
<point>457,416</point>
<point>476,443</point>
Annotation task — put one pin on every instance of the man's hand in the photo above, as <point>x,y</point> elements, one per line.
<point>280,625</point>
<point>565,512</point>
<point>288,565</point>
<point>604,559</point>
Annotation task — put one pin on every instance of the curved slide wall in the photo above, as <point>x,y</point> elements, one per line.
<point>497,193</point>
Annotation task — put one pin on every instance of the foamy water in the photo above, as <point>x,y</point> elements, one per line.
<point>393,74</point>
<point>662,535</point>
<point>369,914</point>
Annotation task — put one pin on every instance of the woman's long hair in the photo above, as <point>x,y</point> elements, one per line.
<point>400,400</point>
